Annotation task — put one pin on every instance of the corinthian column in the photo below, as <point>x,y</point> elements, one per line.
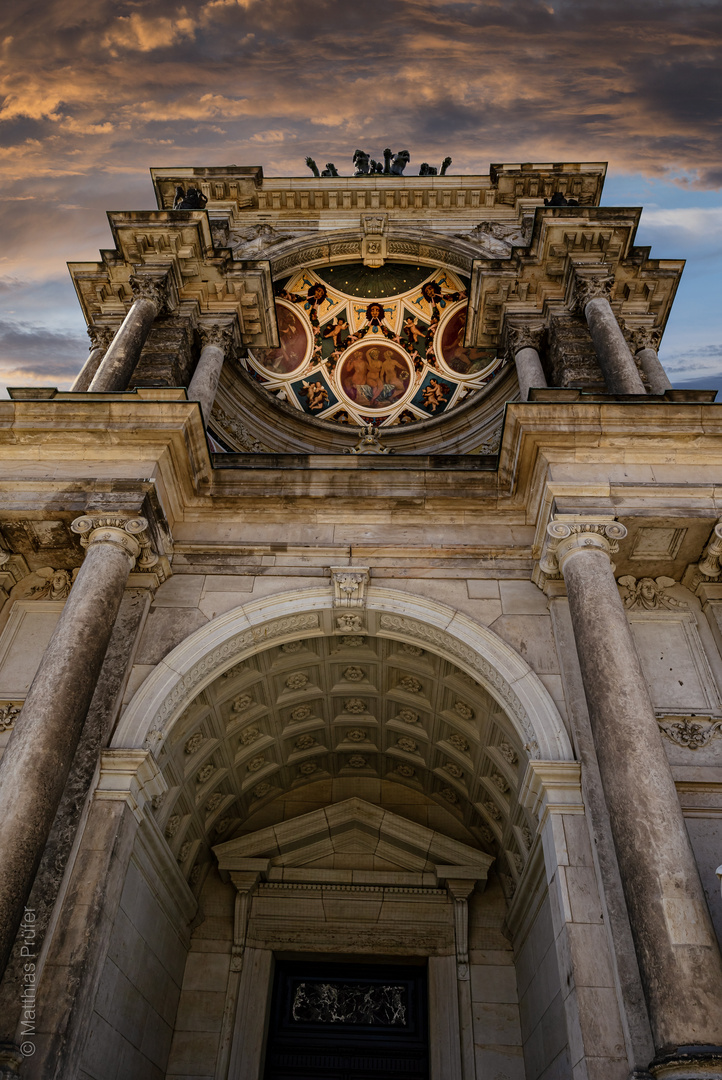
<point>35,766</point>
<point>150,295</point>
<point>645,343</point>
<point>524,347</point>
<point>100,339</point>
<point>678,955</point>
<point>202,388</point>
<point>616,361</point>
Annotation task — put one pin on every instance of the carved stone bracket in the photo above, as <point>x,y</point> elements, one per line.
<point>588,288</point>
<point>460,889</point>
<point>349,586</point>
<point>245,875</point>
<point>572,532</point>
<point>374,244</point>
<point>690,732</point>
<point>708,568</point>
<point>129,533</point>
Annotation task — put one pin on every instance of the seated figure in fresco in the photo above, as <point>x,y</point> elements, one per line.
<point>375,380</point>
<point>289,355</point>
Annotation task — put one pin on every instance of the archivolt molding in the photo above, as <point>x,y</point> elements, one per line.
<point>231,637</point>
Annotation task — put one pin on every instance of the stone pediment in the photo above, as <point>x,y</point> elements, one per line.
<point>351,840</point>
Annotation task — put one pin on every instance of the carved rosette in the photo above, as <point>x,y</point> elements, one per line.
<point>216,335</point>
<point>591,288</point>
<point>565,537</point>
<point>155,289</point>
<point>519,336</point>
<point>100,337</point>
<point>131,534</point>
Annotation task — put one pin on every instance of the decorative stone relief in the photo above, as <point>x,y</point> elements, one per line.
<point>224,423</point>
<point>292,646</point>
<point>195,874</point>
<point>214,802</point>
<point>172,824</point>
<point>648,593</point>
<point>486,834</point>
<point>526,833</point>
<point>408,716</point>
<point>493,810</point>
<point>241,703</point>
<point>256,763</point>
<point>261,789</point>
<point>349,586</point>
<point>205,773</point>
<point>301,713</point>
<point>411,650</point>
<point>691,734</point>
<point>464,711</point>
<point>402,625</point>
<point>354,674</point>
<point>350,624</point>
<point>450,795</point>
<point>508,752</point>
<point>406,744</point>
<point>368,443</point>
<point>194,743</point>
<point>8,715</point>
<point>351,642</point>
<point>354,705</point>
<point>500,782</point>
<point>407,771</point>
<point>518,862</point>
<point>304,742</point>
<point>224,825</point>
<point>185,850</point>
<point>249,735</point>
<point>459,742</point>
<point>297,681</point>
<point>410,684</point>
<point>454,770</point>
<point>356,735</point>
<point>232,672</point>
<point>357,761</point>
<point>307,768</point>
<point>44,584</point>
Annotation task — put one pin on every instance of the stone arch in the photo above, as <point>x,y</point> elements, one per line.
<point>250,628</point>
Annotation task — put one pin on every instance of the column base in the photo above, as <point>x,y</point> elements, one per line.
<point>10,1061</point>
<point>688,1063</point>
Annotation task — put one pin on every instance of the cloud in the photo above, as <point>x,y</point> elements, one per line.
<point>38,354</point>
<point>144,34</point>
<point>695,362</point>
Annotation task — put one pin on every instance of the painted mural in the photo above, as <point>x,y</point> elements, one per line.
<point>384,347</point>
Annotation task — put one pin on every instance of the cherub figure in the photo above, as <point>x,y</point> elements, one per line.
<point>648,593</point>
<point>434,394</point>
<point>316,395</point>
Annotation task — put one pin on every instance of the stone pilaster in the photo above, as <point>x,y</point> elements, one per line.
<point>216,341</point>
<point>151,295</point>
<point>645,342</point>
<point>36,763</point>
<point>100,339</point>
<point>523,345</point>
<point>591,296</point>
<point>678,955</point>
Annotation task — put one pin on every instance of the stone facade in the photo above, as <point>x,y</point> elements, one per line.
<point>434,677</point>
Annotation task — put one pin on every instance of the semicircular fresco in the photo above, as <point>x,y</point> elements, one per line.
<point>386,359</point>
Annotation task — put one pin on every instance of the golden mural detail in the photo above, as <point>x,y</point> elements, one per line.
<point>355,358</point>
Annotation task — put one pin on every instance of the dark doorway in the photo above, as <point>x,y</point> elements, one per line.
<point>348,1022</point>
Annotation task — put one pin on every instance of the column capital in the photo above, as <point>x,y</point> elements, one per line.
<point>567,533</point>
<point>523,336</point>
<point>552,787</point>
<point>100,336</point>
<point>151,287</point>
<point>219,335</point>
<point>131,534</point>
<point>588,287</point>
<point>643,337</point>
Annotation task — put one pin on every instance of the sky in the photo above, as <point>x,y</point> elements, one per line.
<point>94,93</point>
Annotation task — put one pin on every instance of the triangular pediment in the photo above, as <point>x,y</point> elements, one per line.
<point>353,835</point>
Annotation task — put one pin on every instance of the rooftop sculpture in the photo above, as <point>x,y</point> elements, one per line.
<point>392,165</point>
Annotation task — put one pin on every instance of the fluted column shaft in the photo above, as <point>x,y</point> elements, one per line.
<point>613,354</point>
<point>677,951</point>
<point>121,358</point>
<point>36,763</point>
<point>100,337</point>
<point>204,384</point>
